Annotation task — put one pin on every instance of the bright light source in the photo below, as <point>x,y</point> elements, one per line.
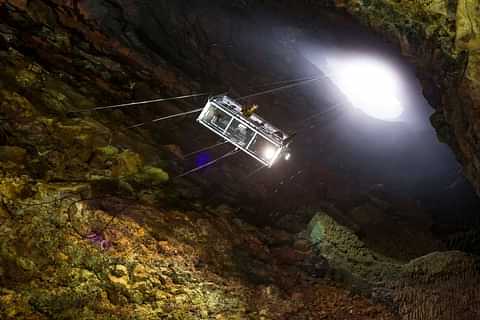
<point>370,86</point>
<point>269,153</point>
<point>288,156</point>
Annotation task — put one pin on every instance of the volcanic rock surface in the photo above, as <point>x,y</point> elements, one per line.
<point>93,223</point>
<point>442,38</point>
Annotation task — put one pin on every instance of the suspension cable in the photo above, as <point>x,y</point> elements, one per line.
<point>314,124</point>
<point>193,95</point>
<point>273,83</point>
<point>304,122</point>
<point>205,149</point>
<point>228,154</point>
<point>145,102</point>
<point>255,171</point>
<point>288,86</point>
<point>181,114</point>
<point>296,82</point>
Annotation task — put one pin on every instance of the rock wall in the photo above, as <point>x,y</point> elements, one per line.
<point>442,38</point>
<point>90,227</point>
<point>440,285</point>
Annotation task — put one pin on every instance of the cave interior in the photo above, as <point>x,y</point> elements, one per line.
<point>361,206</point>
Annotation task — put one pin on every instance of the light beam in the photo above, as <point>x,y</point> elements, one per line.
<point>370,85</point>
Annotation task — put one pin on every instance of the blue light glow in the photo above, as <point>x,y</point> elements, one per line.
<point>203,158</point>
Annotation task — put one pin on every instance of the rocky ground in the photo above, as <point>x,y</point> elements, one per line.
<point>93,224</point>
<point>110,258</point>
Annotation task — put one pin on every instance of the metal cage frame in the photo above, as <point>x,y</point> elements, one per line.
<point>260,128</point>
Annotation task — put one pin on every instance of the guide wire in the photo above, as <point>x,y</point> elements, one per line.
<point>208,164</point>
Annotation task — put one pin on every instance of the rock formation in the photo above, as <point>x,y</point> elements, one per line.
<point>92,226</point>
<point>442,38</point>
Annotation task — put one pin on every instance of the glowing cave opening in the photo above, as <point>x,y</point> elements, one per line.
<point>370,85</point>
